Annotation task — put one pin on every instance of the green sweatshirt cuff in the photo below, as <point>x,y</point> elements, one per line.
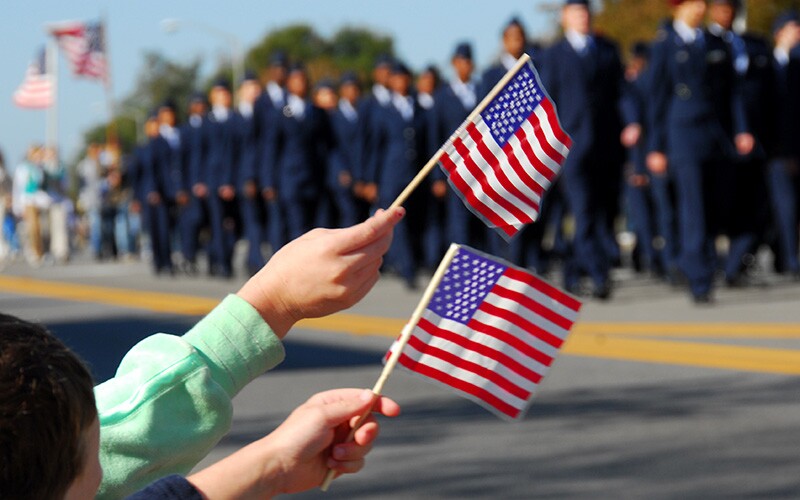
<point>237,343</point>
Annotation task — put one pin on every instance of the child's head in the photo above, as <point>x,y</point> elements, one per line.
<point>49,433</point>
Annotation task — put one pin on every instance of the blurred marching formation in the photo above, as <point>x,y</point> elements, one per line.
<point>697,136</point>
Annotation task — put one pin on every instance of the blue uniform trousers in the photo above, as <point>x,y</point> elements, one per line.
<point>588,253</point>
<point>783,191</point>
<point>252,212</point>
<point>157,220</point>
<point>695,201</point>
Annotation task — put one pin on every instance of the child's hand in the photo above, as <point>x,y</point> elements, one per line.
<point>322,272</point>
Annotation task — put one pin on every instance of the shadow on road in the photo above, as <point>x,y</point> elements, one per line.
<point>102,343</point>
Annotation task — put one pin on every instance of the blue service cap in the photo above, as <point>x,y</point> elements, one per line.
<point>514,22</point>
<point>398,68</point>
<point>384,60</point>
<point>197,97</point>
<point>249,76</point>
<point>433,70</point>
<point>349,77</point>
<point>784,18</point>
<point>222,82</point>
<point>325,83</point>
<point>279,58</point>
<point>168,103</point>
<point>297,67</point>
<point>463,50</point>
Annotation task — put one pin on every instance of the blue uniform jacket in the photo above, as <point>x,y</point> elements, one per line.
<point>195,149</point>
<point>247,148</point>
<point>348,144</point>
<point>220,165</point>
<point>164,175</point>
<point>296,151</point>
<point>587,91</point>
<point>398,149</point>
<point>694,90</point>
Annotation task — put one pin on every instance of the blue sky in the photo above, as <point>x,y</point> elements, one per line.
<point>425,31</point>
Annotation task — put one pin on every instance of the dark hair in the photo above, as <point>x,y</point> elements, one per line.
<point>46,406</point>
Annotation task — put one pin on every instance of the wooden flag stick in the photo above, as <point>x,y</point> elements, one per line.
<point>417,180</point>
<point>398,346</point>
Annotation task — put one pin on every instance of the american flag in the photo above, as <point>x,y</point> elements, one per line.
<point>36,90</point>
<point>490,332</point>
<point>503,160</point>
<point>84,46</point>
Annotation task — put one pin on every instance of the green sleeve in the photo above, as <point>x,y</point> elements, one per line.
<point>169,403</point>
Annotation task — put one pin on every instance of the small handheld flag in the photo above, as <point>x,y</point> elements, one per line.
<point>506,154</point>
<point>485,328</point>
<point>490,332</point>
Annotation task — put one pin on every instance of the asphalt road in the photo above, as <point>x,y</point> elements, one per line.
<point>652,397</point>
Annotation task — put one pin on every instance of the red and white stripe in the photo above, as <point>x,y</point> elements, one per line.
<point>36,90</point>
<point>504,185</point>
<point>500,356</point>
<point>71,37</point>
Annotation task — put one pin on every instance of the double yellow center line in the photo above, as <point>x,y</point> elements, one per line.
<point>643,342</point>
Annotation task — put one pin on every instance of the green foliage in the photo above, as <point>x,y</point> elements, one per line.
<point>350,48</point>
<point>162,79</point>
<point>627,21</point>
<point>761,13</point>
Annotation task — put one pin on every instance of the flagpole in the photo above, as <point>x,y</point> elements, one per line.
<point>437,156</point>
<point>397,348</point>
<point>111,130</point>
<point>51,120</point>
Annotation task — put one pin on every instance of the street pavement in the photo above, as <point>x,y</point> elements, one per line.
<point>652,398</point>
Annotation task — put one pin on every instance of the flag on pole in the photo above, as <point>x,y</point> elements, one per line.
<point>502,159</point>
<point>490,332</point>
<point>36,90</point>
<point>84,46</point>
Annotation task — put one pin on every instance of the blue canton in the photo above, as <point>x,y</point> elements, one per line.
<point>513,105</point>
<point>465,285</point>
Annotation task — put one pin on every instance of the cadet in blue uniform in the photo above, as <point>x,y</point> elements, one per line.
<point>583,74</point>
<point>268,108</point>
<point>455,100</point>
<point>746,199</point>
<point>434,189</point>
<point>347,147</point>
<point>783,145</point>
<point>194,216</point>
<point>515,43</point>
<point>220,177</point>
<point>378,101</point>
<point>326,98</point>
<point>247,153</point>
<point>399,148</point>
<point>695,114</point>
<point>641,212</point>
<point>161,186</point>
<point>296,151</point>
<point>139,173</point>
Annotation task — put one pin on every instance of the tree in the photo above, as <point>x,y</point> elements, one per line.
<point>628,21</point>
<point>350,48</point>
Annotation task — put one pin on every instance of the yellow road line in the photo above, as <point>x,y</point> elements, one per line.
<point>696,330</point>
<point>747,358</point>
<point>137,299</point>
<point>605,340</point>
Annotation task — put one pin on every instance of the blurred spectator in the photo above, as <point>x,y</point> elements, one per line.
<point>8,238</point>
<point>91,196</point>
<point>29,200</point>
<point>60,207</point>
